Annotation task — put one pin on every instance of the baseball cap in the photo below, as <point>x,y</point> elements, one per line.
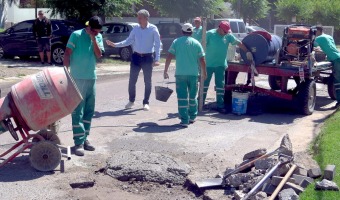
<point>187,27</point>
<point>197,19</point>
<point>95,23</point>
<point>225,26</point>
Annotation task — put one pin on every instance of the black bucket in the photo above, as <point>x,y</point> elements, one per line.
<point>163,93</point>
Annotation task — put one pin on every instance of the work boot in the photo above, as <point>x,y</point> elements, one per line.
<point>88,146</point>
<point>184,125</point>
<point>79,150</point>
<point>191,121</point>
<point>222,110</point>
<point>129,105</point>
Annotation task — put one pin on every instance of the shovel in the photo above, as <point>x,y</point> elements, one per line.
<point>283,159</point>
<point>216,182</point>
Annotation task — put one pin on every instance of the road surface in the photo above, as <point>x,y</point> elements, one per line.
<point>210,145</point>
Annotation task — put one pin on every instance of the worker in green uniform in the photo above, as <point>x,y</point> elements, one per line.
<point>83,48</point>
<point>189,56</point>
<point>197,32</point>
<point>326,43</point>
<point>218,41</point>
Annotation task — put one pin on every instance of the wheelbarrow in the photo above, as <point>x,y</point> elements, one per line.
<point>34,104</point>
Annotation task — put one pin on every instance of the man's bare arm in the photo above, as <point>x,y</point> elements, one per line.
<point>67,55</point>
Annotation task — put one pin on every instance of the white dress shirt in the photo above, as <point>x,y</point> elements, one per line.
<point>144,40</point>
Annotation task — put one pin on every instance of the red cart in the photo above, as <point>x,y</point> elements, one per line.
<point>278,76</point>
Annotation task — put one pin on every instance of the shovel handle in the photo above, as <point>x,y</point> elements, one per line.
<point>250,163</point>
<point>283,182</point>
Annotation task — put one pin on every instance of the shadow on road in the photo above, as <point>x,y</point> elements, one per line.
<point>151,127</point>
<point>20,170</point>
<point>115,113</point>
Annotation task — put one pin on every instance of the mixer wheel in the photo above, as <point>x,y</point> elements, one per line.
<point>45,156</point>
<point>10,128</point>
<point>48,135</point>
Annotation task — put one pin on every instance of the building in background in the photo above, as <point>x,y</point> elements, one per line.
<point>19,11</point>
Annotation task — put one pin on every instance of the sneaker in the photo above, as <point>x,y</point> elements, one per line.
<point>191,121</point>
<point>42,63</point>
<point>129,105</point>
<point>88,146</point>
<point>79,150</point>
<point>184,125</point>
<point>146,107</point>
<point>50,63</point>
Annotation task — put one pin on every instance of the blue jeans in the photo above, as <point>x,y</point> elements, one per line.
<point>139,63</point>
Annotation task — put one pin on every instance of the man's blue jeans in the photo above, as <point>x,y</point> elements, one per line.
<point>138,63</point>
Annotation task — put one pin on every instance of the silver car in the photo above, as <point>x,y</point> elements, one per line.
<point>117,32</point>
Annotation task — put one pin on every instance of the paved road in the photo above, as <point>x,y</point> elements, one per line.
<point>213,143</point>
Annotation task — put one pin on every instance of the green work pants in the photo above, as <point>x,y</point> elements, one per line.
<point>82,115</point>
<point>186,89</point>
<point>219,83</point>
<point>336,74</point>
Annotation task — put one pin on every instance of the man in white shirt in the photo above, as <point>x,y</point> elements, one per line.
<point>146,44</point>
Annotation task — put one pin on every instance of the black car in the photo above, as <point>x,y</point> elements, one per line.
<point>19,40</point>
<point>169,31</point>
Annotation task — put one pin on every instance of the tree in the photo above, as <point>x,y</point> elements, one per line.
<point>302,10</point>
<point>251,9</point>
<point>187,9</point>
<point>84,9</point>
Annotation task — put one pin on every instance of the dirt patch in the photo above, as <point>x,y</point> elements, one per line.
<point>8,71</point>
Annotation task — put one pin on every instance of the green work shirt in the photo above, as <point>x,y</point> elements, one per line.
<point>197,33</point>
<point>217,48</point>
<point>327,45</point>
<point>83,59</point>
<point>187,51</point>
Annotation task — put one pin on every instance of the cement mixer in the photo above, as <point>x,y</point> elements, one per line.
<point>34,104</point>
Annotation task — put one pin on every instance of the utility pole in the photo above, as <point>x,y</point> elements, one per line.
<point>36,9</point>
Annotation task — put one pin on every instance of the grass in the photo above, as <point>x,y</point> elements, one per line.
<point>21,75</point>
<point>2,30</point>
<point>326,150</point>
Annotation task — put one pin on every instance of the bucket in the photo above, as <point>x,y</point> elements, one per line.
<point>239,102</point>
<point>45,97</point>
<point>163,93</point>
<point>263,50</point>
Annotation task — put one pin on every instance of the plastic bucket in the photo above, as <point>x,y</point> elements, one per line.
<point>239,102</point>
<point>163,93</point>
<point>45,97</point>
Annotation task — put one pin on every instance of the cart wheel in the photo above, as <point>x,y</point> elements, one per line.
<point>307,97</point>
<point>54,127</point>
<point>45,156</point>
<point>48,135</point>
<point>274,82</point>
<point>330,87</point>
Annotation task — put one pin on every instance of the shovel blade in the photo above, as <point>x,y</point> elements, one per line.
<point>210,182</point>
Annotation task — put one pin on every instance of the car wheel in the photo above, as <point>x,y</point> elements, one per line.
<point>58,52</point>
<point>125,53</point>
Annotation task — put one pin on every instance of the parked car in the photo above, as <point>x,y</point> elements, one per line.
<point>117,32</point>
<point>169,31</point>
<point>238,27</point>
<point>19,40</point>
<point>251,29</point>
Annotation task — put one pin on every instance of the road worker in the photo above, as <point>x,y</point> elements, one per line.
<point>326,43</point>
<point>189,56</point>
<point>83,49</point>
<point>197,32</point>
<point>218,41</point>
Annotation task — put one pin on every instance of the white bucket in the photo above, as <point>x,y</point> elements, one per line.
<point>239,102</point>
